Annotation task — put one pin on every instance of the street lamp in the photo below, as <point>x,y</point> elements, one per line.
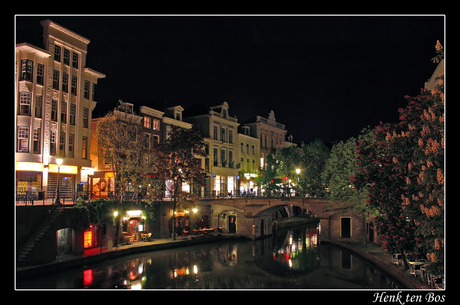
<point>297,171</point>
<point>59,163</point>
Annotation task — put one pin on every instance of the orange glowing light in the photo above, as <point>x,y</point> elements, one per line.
<point>88,239</point>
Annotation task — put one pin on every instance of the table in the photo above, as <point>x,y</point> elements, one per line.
<point>415,266</point>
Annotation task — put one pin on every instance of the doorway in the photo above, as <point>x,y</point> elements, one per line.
<point>232,224</point>
<point>345,224</point>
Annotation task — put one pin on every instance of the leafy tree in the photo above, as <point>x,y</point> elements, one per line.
<point>268,179</point>
<point>403,171</point>
<point>121,147</point>
<point>339,173</point>
<point>177,161</point>
<point>423,121</point>
<point>314,156</point>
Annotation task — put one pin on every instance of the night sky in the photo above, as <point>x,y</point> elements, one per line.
<point>325,77</point>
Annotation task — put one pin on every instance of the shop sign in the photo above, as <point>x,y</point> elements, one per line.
<point>29,166</point>
<point>250,175</point>
<point>22,187</point>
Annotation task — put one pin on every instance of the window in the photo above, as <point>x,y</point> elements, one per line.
<point>38,106</point>
<point>222,134</point>
<point>40,73</point>
<point>215,132</point>
<point>230,159</point>
<point>86,92</point>
<point>36,145</point>
<point>84,142</point>
<point>56,79</point>
<point>85,117</point>
<point>242,147</point>
<point>66,57</point>
<point>206,165</point>
<point>23,139</point>
<point>54,110</point>
<point>71,144</point>
<point>24,103</point>
<point>93,89</point>
<point>62,144</point>
<point>230,136</point>
<point>147,140</point>
<point>215,157</point>
<point>57,53</point>
<point>156,124</point>
<point>147,122</point>
<point>156,139</point>
<point>178,116</point>
<point>65,82</point>
<point>63,112</point>
<point>27,66</point>
<point>253,150</point>
<point>75,60</point>
<point>73,86</point>
<point>247,149</point>
<point>53,142</point>
<point>73,109</point>
<point>222,157</point>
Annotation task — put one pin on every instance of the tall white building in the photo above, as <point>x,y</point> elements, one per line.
<point>54,97</point>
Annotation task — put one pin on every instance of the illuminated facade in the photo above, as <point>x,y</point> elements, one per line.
<point>270,133</point>
<point>220,133</point>
<point>249,160</point>
<point>54,97</point>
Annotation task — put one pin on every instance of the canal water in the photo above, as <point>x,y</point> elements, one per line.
<point>293,259</point>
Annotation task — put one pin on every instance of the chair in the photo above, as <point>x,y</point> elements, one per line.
<point>396,258</point>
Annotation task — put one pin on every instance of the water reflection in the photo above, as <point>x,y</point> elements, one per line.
<point>292,259</point>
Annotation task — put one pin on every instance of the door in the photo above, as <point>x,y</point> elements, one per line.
<point>371,232</point>
<point>346,227</point>
<point>232,224</point>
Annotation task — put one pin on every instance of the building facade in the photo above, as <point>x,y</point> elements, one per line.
<point>249,160</point>
<point>54,97</point>
<point>270,133</point>
<point>220,133</point>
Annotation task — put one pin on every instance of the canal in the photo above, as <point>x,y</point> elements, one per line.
<point>293,259</point>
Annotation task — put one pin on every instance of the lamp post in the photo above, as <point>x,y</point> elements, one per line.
<point>59,163</point>
<point>297,171</point>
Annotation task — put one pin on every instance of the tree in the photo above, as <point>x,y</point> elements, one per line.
<point>314,156</point>
<point>177,161</point>
<point>268,180</point>
<point>339,173</point>
<point>385,185</point>
<point>121,148</point>
<point>403,171</point>
<point>423,120</point>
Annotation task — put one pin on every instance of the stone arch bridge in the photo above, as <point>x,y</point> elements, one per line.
<point>254,216</point>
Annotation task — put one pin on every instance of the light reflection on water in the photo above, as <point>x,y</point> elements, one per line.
<point>291,260</point>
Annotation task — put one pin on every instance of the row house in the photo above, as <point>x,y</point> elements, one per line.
<point>271,134</point>
<point>156,127</point>
<point>54,97</point>
<point>220,133</point>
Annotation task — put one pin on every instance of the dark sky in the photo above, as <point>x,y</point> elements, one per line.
<point>325,77</point>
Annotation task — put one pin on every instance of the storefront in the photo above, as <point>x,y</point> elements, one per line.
<point>225,186</point>
<point>29,180</point>
<point>102,185</point>
<point>248,184</point>
<point>134,226</point>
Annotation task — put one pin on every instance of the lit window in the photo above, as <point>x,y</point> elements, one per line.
<point>88,239</point>
<point>156,124</point>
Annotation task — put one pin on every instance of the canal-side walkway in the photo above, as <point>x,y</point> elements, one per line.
<point>374,253</point>
<point>96,255</point>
